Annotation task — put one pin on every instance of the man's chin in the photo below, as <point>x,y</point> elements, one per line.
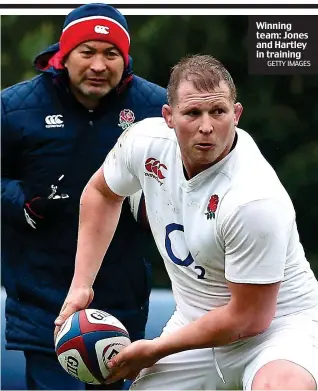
<point>95,93</point>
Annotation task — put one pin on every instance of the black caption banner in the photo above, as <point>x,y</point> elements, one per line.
<point>283,45</point>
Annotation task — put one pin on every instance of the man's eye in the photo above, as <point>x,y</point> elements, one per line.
<point>218,111</point>
<point>86,52</point>
<point>193,113</point>
<point>112,54</point>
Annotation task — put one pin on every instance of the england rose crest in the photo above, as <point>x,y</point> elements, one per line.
<point>126,118</point>
<point>212,206</point>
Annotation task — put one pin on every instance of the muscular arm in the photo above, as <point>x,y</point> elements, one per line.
<point>249,312</point>
<point>100,210</point>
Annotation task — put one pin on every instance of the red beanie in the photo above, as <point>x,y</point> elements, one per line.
<point>93,22</point>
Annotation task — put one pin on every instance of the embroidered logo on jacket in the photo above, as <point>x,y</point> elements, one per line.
<point>126,118</point>
<point>54,121</point>
<point>212,206</point>
<point>154,168</point>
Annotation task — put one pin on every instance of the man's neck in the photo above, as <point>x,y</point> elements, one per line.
<point>234,143</point>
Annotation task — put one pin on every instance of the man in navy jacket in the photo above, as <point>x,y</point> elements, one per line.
<point>56,130</point>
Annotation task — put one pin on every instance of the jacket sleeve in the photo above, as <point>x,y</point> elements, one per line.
<point>12,194</point>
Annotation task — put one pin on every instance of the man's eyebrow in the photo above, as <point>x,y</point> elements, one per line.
<point>217,102</point>
<point>87,46</point>
<point>113,47</point>
<point>93,48</point>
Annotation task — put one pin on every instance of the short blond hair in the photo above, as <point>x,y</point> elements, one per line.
<point>204,71</point>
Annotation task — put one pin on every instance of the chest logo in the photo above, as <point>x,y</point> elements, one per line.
<point>212,206</point>
<point>54,121</point>
<point>155,169</point>
<point>126,118</point>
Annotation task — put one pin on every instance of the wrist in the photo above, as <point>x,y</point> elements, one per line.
<point>163,346</point>
<point>81,282</point>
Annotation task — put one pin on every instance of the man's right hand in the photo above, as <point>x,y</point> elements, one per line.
<point>76,300</point>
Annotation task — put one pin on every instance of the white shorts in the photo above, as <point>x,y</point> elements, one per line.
<point>293,338</point>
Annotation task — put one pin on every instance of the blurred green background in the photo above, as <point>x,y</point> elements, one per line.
<point>280,112</point>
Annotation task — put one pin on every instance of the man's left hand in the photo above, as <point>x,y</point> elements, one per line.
<point>131,360</point>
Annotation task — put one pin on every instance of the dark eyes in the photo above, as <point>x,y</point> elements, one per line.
<point>219,111</point>
<point>194,113</point>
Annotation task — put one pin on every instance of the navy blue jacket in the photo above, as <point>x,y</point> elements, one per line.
<point>37,265</point>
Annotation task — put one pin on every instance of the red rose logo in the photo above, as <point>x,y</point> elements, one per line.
<point>127,115</point>
<point>212,206</point>
<point>126,118</point>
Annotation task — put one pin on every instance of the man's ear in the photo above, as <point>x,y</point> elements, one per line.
<point>238,109</point>
<point>64,61</point>
<point>167,115</point>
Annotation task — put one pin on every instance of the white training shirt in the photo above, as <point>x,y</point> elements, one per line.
<point>248,236</point>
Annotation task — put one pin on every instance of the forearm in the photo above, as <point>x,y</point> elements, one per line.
<point>216,328</point>
<point>98,220</point>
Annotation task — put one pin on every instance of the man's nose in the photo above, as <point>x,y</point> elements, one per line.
<point>98,64</point>
<point>206,125</point>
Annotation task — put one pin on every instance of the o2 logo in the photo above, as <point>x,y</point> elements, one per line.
<point>178,261</point>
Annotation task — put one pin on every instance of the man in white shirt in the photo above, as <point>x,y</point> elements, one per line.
<point>247,300</point>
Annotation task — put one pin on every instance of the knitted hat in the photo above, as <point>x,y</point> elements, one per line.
<point>95,21</point>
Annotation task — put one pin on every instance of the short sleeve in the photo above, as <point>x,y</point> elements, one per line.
<point>256,237</point>
<point>117,169</point>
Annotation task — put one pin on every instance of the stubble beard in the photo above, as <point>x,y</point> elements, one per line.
<point>94,94</point>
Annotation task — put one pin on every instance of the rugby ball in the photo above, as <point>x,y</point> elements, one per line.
<point>87,340</point>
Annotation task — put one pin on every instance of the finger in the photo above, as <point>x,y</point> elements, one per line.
<point>118,360</point>
<point>56,331</point>
<point>112,379</point>
<point>123,373</point>
<point>132,375</point>
<point>115,376</point>
<point>57,320</point>
<point>115,370</point>
<point>60,320</point>
<point>65,313</point>
<point>91,297</point>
